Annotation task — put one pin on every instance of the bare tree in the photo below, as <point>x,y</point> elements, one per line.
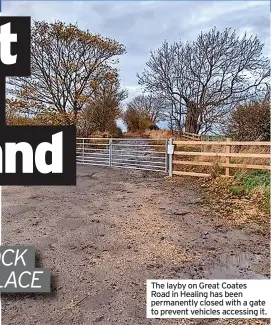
<point>66,65</point>
<point>144,112</point>
<point>160,78</point>
<point>205,79</point>
<point>149,105</point>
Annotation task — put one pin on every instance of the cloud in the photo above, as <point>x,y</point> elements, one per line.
<point>143,25</point>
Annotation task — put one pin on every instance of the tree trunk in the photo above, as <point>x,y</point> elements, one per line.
<point>192,116</point>
<point>179,126</point>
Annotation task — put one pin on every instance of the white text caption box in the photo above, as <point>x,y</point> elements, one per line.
<point>208,299</point>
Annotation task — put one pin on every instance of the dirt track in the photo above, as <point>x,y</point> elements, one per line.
<point>103,238</point>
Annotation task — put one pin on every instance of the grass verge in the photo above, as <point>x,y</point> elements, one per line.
<point>256,184</point>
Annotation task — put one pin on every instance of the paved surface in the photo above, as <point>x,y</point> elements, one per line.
<point>103,238</point>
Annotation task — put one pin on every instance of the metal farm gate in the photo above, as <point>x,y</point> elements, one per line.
<point>133,153</point>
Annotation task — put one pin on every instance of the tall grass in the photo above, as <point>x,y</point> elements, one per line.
<point>255,179</point>
<point>255,183</point>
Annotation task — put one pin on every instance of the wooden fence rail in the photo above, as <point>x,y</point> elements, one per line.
<point>226,153</point>
<point>198,137</point>
<point>191,136</point>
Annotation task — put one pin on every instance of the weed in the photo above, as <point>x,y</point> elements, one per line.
<point>237,190</point>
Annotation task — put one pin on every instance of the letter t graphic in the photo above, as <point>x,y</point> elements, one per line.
<point>6,38</point>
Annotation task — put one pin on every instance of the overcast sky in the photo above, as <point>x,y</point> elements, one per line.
<point>142,26</point>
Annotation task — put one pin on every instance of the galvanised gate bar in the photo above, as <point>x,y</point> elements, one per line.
<point>132,153</point>
<point>160,155</point>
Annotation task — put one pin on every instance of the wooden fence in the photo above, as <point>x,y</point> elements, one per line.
<point>197,137</point>
<point>225,152</point>
<point>191,136</point>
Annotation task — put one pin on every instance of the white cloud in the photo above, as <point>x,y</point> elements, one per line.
<point>143,25</point>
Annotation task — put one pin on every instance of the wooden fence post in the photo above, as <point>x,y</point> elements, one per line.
<point>228,150</point>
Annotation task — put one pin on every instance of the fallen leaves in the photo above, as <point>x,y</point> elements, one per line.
<point>230,210</point>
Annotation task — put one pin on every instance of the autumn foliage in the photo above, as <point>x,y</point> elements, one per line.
<point>250,122</point>
<point>143,113</point>
<point>70,69</point>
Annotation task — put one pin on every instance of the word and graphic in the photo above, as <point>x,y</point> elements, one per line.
<point>18,272</point>
<point>30,155</point>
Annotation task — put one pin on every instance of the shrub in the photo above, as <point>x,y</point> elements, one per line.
<point>250,122</point>
<point>117,133</point>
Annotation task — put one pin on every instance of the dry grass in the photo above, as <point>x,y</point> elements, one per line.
<point>158,134</point>
<point>99,134</point>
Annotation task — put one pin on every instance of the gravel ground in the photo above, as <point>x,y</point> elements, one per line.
<point>103,238</point>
